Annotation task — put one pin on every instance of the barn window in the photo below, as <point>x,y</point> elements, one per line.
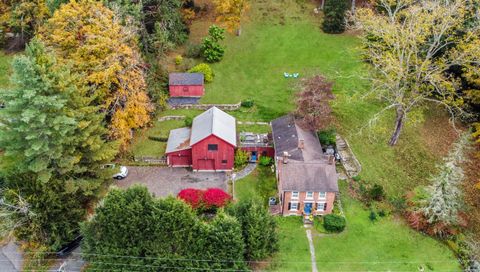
<point>224,161</point>
<point>185,89</point>
<point>212,147</point>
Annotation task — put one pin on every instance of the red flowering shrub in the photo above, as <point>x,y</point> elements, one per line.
<point>210,199</point>
<point>193,197</point>
<point>216,198</point>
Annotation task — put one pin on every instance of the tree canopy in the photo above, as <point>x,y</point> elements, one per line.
<point>88,35</point>
<point>411,46</point>
<point>53,142</point>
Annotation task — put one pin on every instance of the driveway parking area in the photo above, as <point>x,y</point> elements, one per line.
<point>164,181</point>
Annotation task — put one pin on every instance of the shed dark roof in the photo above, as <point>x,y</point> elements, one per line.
<point>185,79</point>
<point>308,176</point>
<point>286,136</point>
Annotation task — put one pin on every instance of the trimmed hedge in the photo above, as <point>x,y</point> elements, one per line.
<point>334,223</point>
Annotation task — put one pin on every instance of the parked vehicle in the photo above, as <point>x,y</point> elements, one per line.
<point>120,172</point>
<point>71,246</point>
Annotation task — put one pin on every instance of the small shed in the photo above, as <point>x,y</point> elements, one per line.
<point>179,152</point>
<point>186,84</point>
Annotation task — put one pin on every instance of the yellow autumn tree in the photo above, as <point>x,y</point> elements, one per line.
<point>89,36</point>
<point>230,12</point>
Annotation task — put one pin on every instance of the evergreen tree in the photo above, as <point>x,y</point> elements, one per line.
<point>258,229</point>
<point>334,16</point>
<point>214,245</point>
<point>53,143</point>
<point>445,194</point>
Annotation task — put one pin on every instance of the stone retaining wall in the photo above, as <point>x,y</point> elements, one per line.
<point>171,117</point>
<point>228,107</point>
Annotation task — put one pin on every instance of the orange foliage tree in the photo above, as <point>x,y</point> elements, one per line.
<point>89,36</point>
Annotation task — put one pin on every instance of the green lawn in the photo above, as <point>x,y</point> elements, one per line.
<point>294,254</point>
<point>385,245</point>
<point>4,69</point>
<point>260,183</point>
<point>143,146</point>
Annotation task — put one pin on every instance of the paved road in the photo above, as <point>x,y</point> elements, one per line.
<point>164,181</point>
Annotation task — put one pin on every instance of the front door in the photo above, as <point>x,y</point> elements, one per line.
<point>254,156</point>
<point>308,208</point>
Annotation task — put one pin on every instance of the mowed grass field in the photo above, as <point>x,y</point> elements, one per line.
<point>387,244</point>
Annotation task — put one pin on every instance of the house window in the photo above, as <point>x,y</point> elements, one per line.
<point>309,195</point>
<point>224,161</point>
<point>294,195</point>
<point>321,206</point>
<point>293,206</point>
<point>212,147</point>
<point>322,195</point>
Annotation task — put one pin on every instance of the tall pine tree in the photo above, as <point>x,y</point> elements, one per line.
<point>53,143</point>
<point>445,195</point>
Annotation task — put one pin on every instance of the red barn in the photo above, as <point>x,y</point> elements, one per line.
<point>208,146</point>
<point>186,84</point>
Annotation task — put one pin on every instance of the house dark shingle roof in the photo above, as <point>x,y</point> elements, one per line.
<point>287,136</point>
<point>185,79</point>
<point>308,176</point>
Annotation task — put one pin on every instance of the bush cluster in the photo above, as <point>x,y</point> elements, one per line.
<point>212,50</point>
<point>265,161</point>
<point>334,223</point>
<point>205,69</point>
<point>158,138</point>
<point>327,137</point>
<point>241,158</point>
<point>210,199</point>
<point>247,103</point>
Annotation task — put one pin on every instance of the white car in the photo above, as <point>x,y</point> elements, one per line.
<point>122,171</point>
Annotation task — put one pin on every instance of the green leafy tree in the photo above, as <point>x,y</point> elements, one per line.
<point>213,51</point>
<point>258,229</point>
<point>334,16</point>
<point>53,143</point>
<point>163,24</point>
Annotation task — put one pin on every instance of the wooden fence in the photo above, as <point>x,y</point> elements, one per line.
<point>152,160</point>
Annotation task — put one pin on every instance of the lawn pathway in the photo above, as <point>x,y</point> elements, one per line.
<point>312,248</point>
<point>245,171</point>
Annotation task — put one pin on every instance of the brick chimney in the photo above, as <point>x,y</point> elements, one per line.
<point>285,157</point>
<point>301,144</point>
<point>331,159</point>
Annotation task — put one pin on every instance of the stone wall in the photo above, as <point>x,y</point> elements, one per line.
<point>228,107</point>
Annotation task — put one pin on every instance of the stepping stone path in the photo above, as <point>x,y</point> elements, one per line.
<point>348,159</point>
<point>312,247</point>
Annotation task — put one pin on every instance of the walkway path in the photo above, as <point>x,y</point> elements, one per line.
<point>349,161</point>
<point>245,171</point>
<point>312,248</point>
<point>11,258</point>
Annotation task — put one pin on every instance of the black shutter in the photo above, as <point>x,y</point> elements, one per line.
<point>325,206</point>
<point>289,205</point>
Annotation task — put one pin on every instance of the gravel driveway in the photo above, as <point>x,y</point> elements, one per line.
<point>164,181</point>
